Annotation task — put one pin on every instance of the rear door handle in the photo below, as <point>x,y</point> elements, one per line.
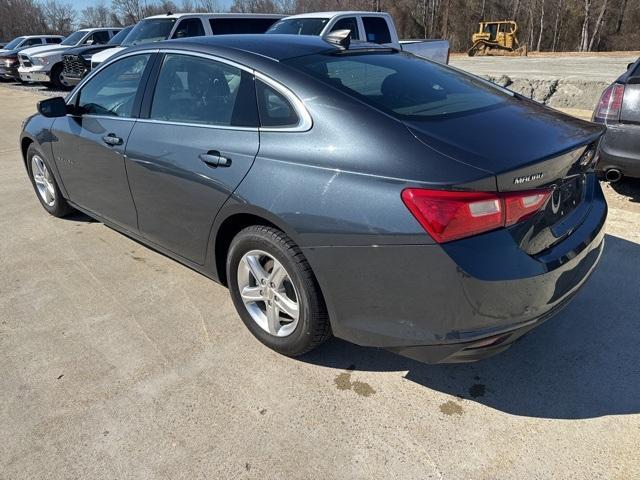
<point>112,140</point>
<point>214,160</point>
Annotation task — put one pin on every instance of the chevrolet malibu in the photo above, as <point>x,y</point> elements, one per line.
<point>335,189</point>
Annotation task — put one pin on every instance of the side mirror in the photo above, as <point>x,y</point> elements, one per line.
<point>629,65</point>
<point>89,42</point>
<point>52,107</point>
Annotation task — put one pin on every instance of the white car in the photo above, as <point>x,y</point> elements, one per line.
<point>372,27</point>
<point>44,64</point>
<point>182,25</point>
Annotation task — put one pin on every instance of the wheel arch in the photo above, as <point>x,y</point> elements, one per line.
<point>25,143</point>
<point>229,223</point>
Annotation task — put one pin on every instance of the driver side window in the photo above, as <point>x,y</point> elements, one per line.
<point>112,91</point>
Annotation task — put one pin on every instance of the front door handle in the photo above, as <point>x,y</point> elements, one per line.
<point>213,159</point>
<point>112,140</point>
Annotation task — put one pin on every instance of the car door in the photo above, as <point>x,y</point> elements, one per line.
<point>89,147</point>
<point>196,144</point>
<point>189,27</point>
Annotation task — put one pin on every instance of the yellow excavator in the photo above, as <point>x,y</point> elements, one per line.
<point>496,38</point>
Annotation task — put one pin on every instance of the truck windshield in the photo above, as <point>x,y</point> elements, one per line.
<point>74,38</point>
<point>299,26</point>
<point>13,43</point>
<point>148,31</point>
<point>402,85</point>
<point>119,37</point>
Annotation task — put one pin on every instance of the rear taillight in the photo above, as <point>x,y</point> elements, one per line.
<point>610,104</point>
<point>448,215</point>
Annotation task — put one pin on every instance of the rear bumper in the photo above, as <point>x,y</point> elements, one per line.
<point>620,149</point>
<point>426,302</point>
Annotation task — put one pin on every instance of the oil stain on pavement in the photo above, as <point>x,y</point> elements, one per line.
<point>343,382</point>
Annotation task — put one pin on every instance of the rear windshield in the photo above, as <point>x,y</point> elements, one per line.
<point>74,38</point>
<point>148,31</point>
<point>402,85</point>
<point>299,26</point>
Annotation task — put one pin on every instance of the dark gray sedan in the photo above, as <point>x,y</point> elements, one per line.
<point>352,190</point>
<point>619,109</point>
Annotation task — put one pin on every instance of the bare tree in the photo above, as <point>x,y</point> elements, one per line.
<point>621,12</point>
<point>596,30</point>
<point>60,16</point>
<point>131,11</point>
<point>584,34</point>
<point>95,16</point>
<point>541,25</point>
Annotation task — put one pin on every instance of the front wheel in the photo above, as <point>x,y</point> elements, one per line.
<point>57,79</point>
<point>275,291</point>
<point>45,185</point>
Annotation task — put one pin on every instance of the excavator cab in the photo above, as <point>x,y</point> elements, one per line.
<point>496,38</point>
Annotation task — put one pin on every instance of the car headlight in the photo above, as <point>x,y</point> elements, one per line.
<point>42,60</point>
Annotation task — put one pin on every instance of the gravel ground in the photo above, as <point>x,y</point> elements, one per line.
<point>34,88</point>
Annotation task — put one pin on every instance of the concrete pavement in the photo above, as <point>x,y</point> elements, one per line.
<point>120,363</point>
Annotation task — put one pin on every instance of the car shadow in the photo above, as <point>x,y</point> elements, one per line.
<point>80,217</point>
<point>629,187</point>
<point>583,363</point>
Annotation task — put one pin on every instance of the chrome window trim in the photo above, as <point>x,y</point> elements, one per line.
<point>304,118</point>
<point>200,125</point>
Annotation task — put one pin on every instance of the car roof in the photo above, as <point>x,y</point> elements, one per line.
<point>336,13</point>
<point>42,36</point>
<point>98,28</point>
<point>276,47</point>
<point>216,15</point>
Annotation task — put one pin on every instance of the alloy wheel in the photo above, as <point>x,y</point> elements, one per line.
<point>44,181</point>
<point>268,293</point>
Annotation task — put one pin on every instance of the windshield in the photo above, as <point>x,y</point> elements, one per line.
<point>402,85</point>
<point>120,36</point>
<point>148,31</point>
<point>13,43</point>
<point>299,26</point>
<point>74,38</point>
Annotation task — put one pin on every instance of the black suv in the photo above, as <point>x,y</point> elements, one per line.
<point>77,61</point>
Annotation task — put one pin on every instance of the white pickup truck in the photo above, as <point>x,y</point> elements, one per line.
<point>373,27</point>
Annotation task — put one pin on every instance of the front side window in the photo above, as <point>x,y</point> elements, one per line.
<point>196,90</point>
<point>54,40</point>
<point>148,31</point>
<point>189,27</point>
<point>299,26</point>
<point>376,29</point>
<point>403,85</point>
<point>349,23</point>
<point>32,41</point>
<point>275,110</point>
<point>113,90</point>
<point>98,38</point>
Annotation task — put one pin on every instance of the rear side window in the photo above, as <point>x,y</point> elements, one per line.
<point>113,90</point>
<point>402,85</point>
<point>227,26</point>
<point>349,23</point>
<point>198,90</point>
<point>376,29</point>
<point>274,108</point>
<point>33,41</point>
<point>189,27</point>
<point>54,40</point>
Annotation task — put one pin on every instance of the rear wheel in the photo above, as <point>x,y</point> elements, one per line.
<point>45,185</point>
<point>275,291</point>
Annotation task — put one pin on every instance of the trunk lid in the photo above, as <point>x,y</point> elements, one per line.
<point>525,146</point>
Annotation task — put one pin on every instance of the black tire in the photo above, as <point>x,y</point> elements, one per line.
<point>56,79</point>
<point>313,326</point>
<point>60,207</point>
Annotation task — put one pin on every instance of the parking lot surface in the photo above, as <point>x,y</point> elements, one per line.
<point>117,362</point>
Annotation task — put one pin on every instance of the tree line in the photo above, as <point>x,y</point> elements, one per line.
<point>543,25</point>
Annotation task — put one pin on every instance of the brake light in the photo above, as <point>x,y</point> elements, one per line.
<point>448,215</point>
<point>610,104</point>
